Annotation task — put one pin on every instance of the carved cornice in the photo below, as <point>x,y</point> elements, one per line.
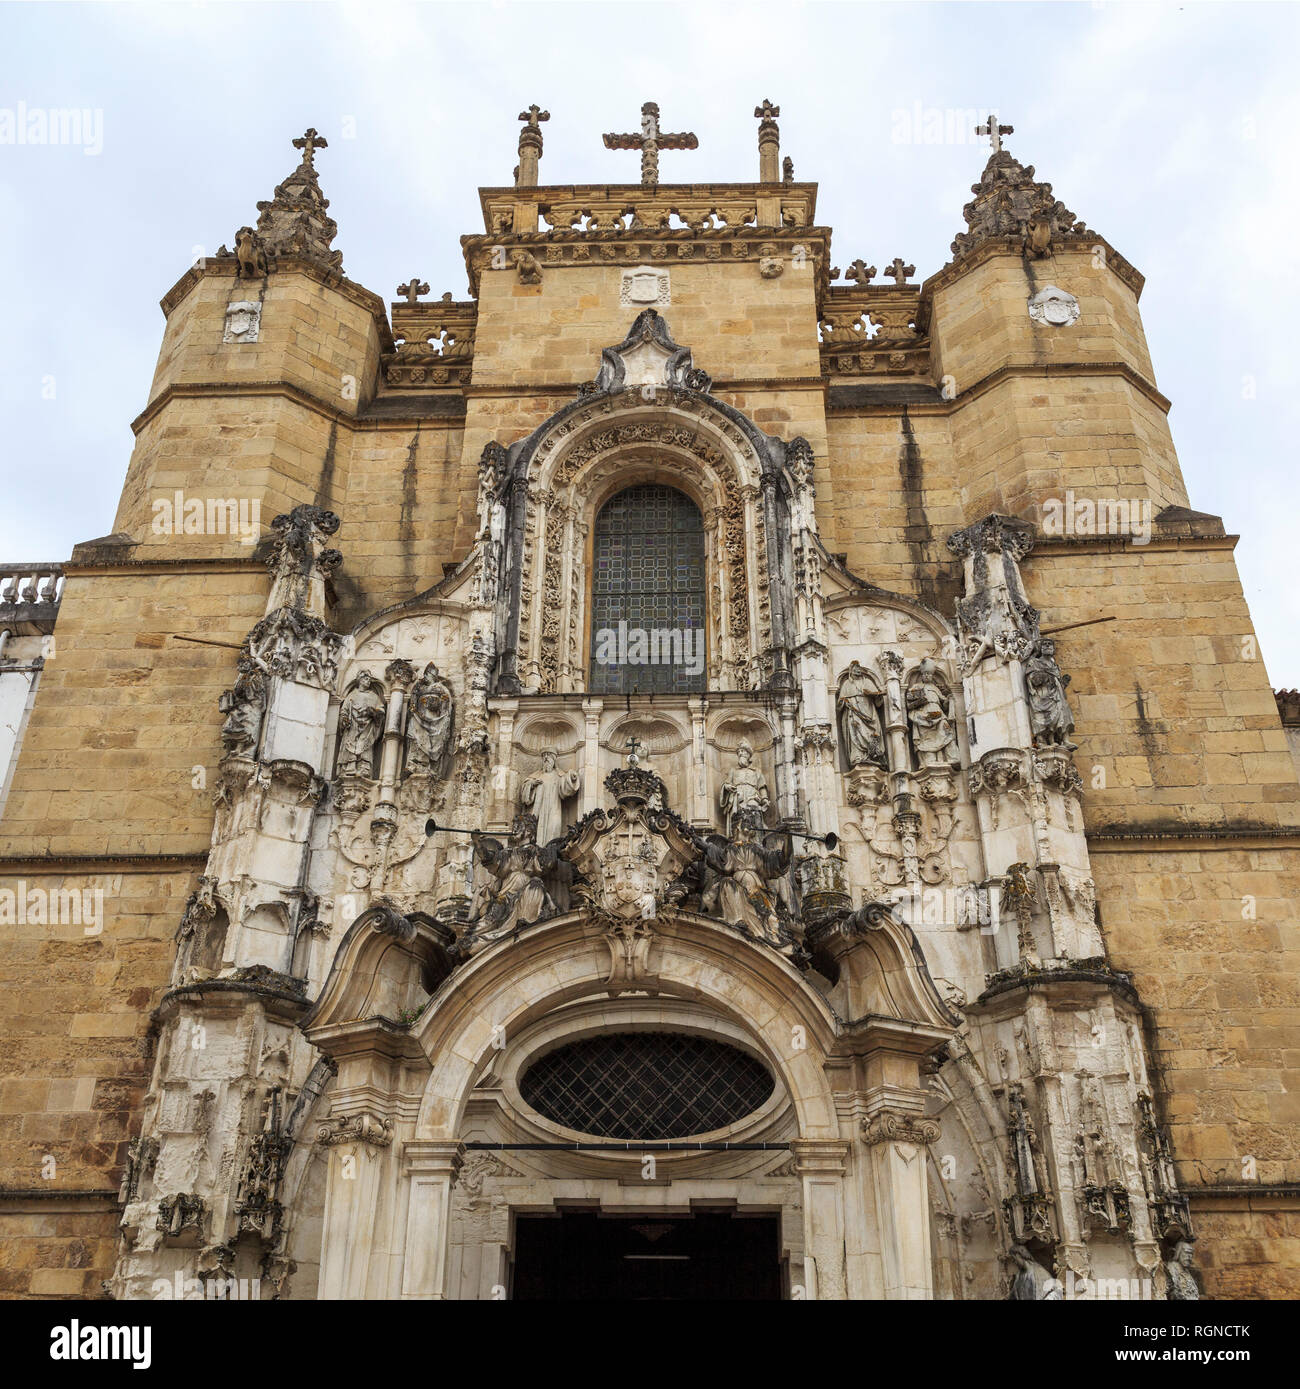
<point>330,279</point>
<point>649,246</point>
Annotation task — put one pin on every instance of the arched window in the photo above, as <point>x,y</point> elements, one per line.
<point>647,594</point>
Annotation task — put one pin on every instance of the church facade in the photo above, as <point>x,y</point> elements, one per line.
<point>684,773</point>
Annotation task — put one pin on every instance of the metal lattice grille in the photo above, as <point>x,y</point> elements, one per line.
<point>648,572</point>
<point>646,1085</point>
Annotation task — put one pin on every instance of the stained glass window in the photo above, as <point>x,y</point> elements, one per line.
<point>647,592</point>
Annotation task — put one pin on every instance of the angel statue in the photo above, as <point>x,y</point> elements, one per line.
<point>749,866</point>
<point>512,892</point>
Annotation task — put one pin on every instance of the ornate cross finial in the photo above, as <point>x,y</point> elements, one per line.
<point>309,143</point>
<point>898,272</point>
<point>861,272</point>
<point>650,141</point>
<point>769,142</point>
<point>533,115</point>
<point>633,746</point>
<point>994,131</point>
<point>413,288</point>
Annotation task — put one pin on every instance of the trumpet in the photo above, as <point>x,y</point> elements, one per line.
<point>432,827</point>
<point>830,838</point>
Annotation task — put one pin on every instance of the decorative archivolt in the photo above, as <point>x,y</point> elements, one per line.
<point>617,442</point>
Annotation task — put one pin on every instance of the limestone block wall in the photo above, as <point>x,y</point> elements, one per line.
<point>74,1063</point>
<point>1038,409</point>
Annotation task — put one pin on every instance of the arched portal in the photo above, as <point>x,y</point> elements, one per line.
<point>648,594</point>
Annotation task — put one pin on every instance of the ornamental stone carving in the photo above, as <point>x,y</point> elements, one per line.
<point>1178,1270</point>
<point>355,1128</point>
<point>1054,308</point>
<point>889,1126</point>
<point>645,284</point>
<point>243,321</point>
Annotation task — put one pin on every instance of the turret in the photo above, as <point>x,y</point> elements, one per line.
<point>1037,339</point>
<point>266,348</point>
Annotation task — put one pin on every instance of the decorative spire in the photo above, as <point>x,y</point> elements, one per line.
<point>295,222</point>
<point>1009,202</point>
<point>769,142</point>
<point>530,146</point>
<point>650,140</point>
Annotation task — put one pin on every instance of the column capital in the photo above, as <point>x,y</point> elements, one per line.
<point>895,1126</point>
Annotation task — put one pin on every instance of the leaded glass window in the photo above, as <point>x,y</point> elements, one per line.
<point>647,594</point>
<point>646,1085</point>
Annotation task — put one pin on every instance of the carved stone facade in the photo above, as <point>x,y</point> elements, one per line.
<point>849,866</point>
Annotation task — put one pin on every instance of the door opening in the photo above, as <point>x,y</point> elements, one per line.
<point>596,1256</point>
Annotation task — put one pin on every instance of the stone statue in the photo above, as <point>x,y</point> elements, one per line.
<point>1049,710</point>
<point>361,724</point>
<point>249,253</point>
<point>429,723</point>
<point>244,707</point>
<point>1182,1286</point>
<point>929,710</point>
<point>748,865</point>
<point>744,790</point>
<point>513,892</point>
<point>1032,1282</point>
<point>861,735</point>
<point>545,793</point>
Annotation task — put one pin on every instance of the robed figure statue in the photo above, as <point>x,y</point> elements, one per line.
<point>861,735</point>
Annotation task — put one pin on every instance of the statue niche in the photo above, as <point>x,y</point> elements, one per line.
<point>744,791</point>
<point>429,725</point>
<point>361,725</point>
<point>544,795</point>
<point>857,704</point>
<point>930,718</point>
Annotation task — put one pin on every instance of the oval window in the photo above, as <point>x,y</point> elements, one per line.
<point>646,1085</point>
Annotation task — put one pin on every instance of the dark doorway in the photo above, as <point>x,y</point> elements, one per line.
<point>632,1258</point>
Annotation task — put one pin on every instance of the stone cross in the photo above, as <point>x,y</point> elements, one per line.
<point>994,131</point>
<point>769,142</point>
<point>650,141</point>
<point>413,289</point>
<point>310,143</point>
<point>898,272</point>
<point>861,272</point>
<point>533,115</point>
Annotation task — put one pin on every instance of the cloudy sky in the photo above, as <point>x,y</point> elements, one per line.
<point>1170,129</point>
